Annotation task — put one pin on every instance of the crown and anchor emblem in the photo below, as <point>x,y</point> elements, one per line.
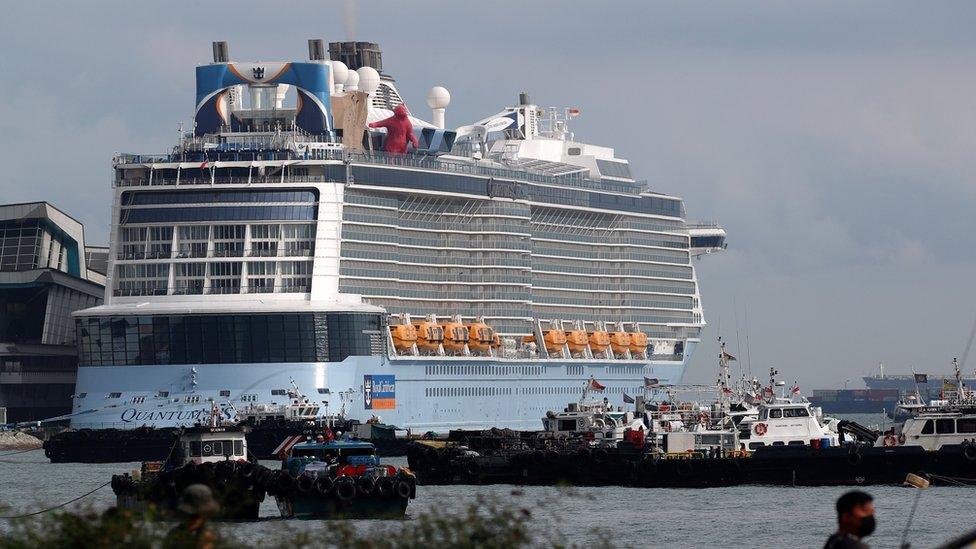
<point>258,73</point>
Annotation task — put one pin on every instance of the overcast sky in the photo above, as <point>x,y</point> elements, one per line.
<point>833,140</point>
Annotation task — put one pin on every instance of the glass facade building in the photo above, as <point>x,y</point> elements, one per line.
<point>46,274</point>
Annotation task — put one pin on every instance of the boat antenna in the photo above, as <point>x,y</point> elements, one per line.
<point>969,344</point>
<point>748,350</point>
<point>738,347</point>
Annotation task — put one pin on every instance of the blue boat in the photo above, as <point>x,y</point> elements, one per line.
<point>341,479</point>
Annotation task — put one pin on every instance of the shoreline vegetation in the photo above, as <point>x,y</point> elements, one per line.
<point>486,523</point>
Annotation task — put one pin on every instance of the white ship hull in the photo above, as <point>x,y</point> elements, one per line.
<point>428,393</point>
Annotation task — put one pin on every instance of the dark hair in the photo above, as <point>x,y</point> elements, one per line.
<point>852,499</point>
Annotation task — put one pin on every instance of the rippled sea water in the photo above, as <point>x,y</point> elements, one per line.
<point>637,517</point>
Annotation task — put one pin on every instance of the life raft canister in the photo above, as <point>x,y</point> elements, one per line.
<point>760,429</point>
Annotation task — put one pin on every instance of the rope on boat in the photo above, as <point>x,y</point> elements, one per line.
<point>56,506</point>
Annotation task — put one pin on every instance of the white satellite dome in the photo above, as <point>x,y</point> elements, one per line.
<point>369,79</point>
<point>352,81</point>
<point>339,72</point>
<point>438,97</point>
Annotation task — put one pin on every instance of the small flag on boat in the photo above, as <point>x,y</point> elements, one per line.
<point>948,385</point>
<point>628,399</point>
<point>921,378</point>
<point>795,389</point>
<point>204,164</point>
<point>726,390</point>
<point>595,385</point>
<point>651,382</point>
<point>573,112</point>
<point>727,356</point>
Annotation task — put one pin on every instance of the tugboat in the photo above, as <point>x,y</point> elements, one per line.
<point>947,421</point>
<point>341,479</point>
<point>212,455</point>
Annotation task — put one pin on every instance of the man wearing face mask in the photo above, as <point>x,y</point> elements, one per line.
<point>855,521</point>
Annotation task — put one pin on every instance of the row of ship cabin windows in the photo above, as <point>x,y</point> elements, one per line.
<point>778,413</point>
<point>949,426</point>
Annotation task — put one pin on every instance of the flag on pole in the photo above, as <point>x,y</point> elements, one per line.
<point>795,389</point>
<point>650,382</point>
<point>204,164</point>
<point>921,378</point>
<point>573,112</point>
<point>727,356</point>
<point>628,399</point>
<point>596,386</point>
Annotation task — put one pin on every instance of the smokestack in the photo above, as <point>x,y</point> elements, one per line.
<point>220,52</point>
<point>350,20</point>
<point>316,50</point>
<point>524,98</point>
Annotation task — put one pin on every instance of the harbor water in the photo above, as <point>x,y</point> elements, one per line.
<point>718,517</point>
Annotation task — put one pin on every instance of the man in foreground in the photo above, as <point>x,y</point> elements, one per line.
<point>855,521</point>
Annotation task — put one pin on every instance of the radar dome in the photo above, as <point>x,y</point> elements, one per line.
<point>369,79</point>
<point>438,97</point>
<point>339,72</point>
<point>352,81</point>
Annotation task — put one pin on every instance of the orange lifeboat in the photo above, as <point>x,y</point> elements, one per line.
<point>638,342</point>
<point>430,336</point>
<point>599,341</point>
<point>620,342</point>
<point>576,339</point>
<point>455,336</point>
<point>480,336</point>
<point>555,340</point>
<point>404,336</point>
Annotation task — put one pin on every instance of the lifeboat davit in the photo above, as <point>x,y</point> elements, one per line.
<point>599,341</point>
<point>638,342</point>
<point>620,342</point>
<point>430,336</point>
<point>404,336</point>
<point>455,336</point>
<point>577,340</point>
<point>481,336</point>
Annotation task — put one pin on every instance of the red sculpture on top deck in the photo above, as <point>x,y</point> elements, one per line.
<point>398,131</point>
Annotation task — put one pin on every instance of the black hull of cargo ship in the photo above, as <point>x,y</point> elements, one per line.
<point>146,444</point>
<point>856,407</point>
<point>625,466</point>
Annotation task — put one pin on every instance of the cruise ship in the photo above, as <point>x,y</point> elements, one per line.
<point>480,279</point>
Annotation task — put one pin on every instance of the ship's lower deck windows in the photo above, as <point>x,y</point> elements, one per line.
<point>228,339</point>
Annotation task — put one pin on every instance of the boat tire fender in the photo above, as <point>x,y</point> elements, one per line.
<point>970,452</point>
<point>323,485</point>
<point>305,484</point>
<point>384,487</point>
<point>345,490</point>
<point>600,455</point>
<point>854,458</point>
<point>365,485</point>
<point>403,489</point>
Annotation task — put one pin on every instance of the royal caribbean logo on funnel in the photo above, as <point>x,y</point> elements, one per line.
<point>379,392</point>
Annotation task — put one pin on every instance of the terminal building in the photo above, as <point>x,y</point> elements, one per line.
<point>46,273</point>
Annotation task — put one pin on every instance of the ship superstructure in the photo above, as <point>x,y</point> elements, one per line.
<point>475,281</point>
